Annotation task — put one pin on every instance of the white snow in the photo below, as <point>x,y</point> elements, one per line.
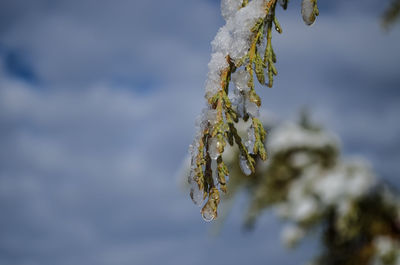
<point>291,234</point>
<point>291,135</point>
<point>230,7</point>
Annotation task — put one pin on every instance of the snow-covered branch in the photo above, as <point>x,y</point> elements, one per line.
<point>242,49</point>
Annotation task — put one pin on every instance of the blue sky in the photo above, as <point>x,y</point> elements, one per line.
<point>97,107</point>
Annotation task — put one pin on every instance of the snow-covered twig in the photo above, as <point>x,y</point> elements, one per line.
<point>241,49</point>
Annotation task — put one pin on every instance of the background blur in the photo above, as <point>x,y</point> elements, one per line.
<point>97,107</point>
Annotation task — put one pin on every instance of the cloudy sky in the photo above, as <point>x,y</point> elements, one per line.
<point>97,106</point>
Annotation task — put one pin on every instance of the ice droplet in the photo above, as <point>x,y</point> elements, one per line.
<point>193,154</point>
<point>237,102</point>
<point>251,140</point>
<point>307,11</point>
<point>208,213</point>
<point>252,109</point>
<point>214,169</point>
<point>241,78</point>
<point>195,194</point>
<point>213,148</point>
<point>244,166</point>
<point>283,3</point>
<point>212,116</point>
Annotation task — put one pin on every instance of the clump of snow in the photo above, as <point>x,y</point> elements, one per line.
<point>300,159</point>
<point>300,204</point>
<point>291,135</point>
<point>386,246</point>
<point>304,209</point>
<point>234,37</point>
<point>216,65</point>
<point>347,181</point>
<point>222,41</point>
<point>230,7</point>
<point>291,235</point>
<point>336,186</point>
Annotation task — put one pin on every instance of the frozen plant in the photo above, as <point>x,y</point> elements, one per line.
<point>242,49</point>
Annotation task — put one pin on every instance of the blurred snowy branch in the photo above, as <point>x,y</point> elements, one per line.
<point>313,188</point>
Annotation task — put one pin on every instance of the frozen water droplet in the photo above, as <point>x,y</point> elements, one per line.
<point>195,194</point>
<point>251,140</point>
<point>199,121</point>
<point>193,151</point>
<point>283,3</point>
<point>244,166</point>
<point>208,213</point>
<point>252,109</point>
<point>213,148</point>
<point>237,102</point>
<point>241,78</point>
<point>212,86</point>
<point>190,178</point>
<point>307,11</point>
<point>214,170</point>
<point>212,116</point>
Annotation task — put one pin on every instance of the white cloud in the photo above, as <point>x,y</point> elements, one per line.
<point>80,43</point>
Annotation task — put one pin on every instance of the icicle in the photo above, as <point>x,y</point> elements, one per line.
<point>211,116</point>
<point>195,194</point>
<point>251,140</point>
<point>244,166</point>
<point>208,213</point>
<point>308,11</point>
<point>252,109</point>
<point>214,169</point>
<point>213,148</point>
<point>237,102</point>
